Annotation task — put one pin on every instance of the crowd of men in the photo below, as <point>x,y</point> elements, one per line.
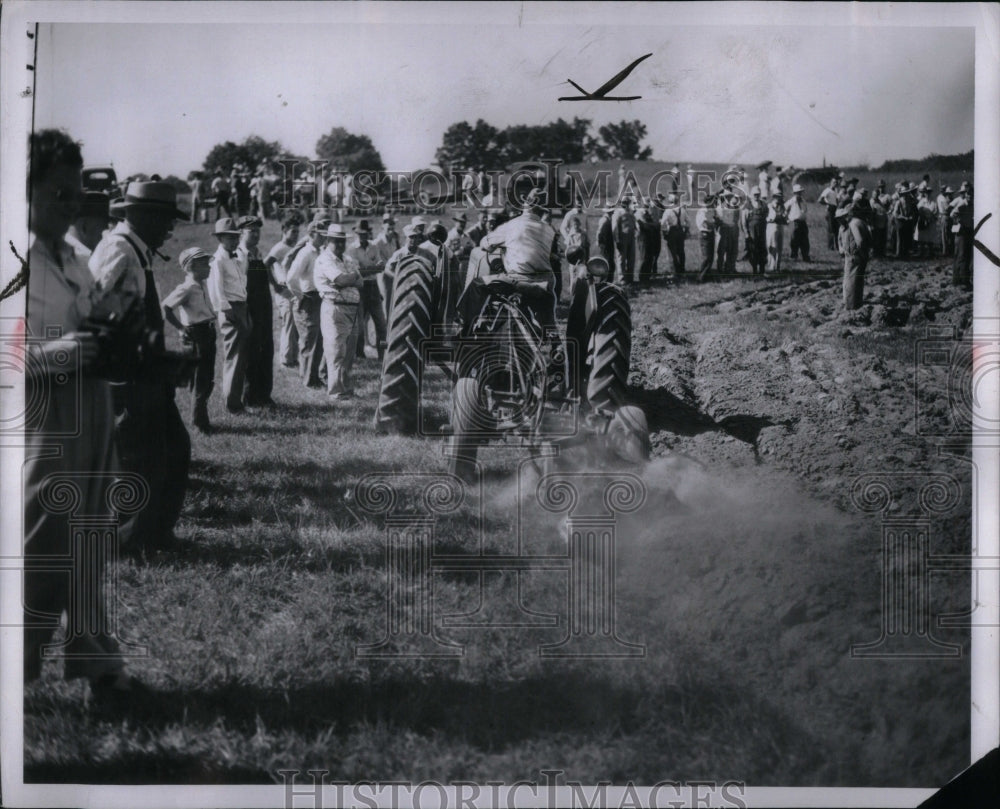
<point>91,262</point>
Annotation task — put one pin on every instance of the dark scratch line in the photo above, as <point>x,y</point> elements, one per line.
<point>19,280</point>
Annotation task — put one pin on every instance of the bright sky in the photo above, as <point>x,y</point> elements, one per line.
<point>157,97</point>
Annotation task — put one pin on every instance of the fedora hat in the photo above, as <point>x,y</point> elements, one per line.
<point>460,218</point>
<point>116,208</point>
<point>154,196</point>
<point>419,223</point>
<point>363,227</point>
<point>796,188</point>
<point>764,165</point>
<point>226,227</point>
<point>409,231</point>
<point>249,222</point>
<point>336,231</point>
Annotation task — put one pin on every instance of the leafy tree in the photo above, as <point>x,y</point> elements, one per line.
<point>251,152</point>
<point>346,150</point>
<point>466,147</point>
<point>620,141</point>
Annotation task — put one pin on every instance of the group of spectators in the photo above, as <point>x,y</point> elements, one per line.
<point>91,275</point>
<point>241,193</point>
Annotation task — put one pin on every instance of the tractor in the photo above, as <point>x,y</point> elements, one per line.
<point>512,381</point>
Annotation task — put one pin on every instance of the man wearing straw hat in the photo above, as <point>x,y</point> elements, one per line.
<point>338,281</point>
<point>152,439</point>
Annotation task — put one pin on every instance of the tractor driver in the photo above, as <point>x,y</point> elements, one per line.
<point>531,257</point>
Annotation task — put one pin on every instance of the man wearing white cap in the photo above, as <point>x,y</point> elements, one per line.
<point>152,439</point>
<point>338,280</point>
<point>795,209</point>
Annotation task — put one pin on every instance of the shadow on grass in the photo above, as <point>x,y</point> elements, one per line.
<point>143,768</point>
<point>490,716</point>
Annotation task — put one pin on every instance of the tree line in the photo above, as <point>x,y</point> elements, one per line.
<point>464,147</point>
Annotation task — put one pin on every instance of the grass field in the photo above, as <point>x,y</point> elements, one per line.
<point>744,576</point>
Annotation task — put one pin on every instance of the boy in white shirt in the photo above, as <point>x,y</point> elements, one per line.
<point>188,309</point>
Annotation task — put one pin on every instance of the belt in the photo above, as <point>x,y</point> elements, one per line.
<point>344,303</point>
<point>311,294</point>
<point>202,325</point>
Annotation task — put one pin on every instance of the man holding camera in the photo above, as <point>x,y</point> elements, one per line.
<point>151,436</point>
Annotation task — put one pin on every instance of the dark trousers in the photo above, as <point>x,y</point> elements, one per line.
<point>260,345</point>
<point>201,337</point>
<point>961,268</point>
<point>371,307</point>
<point>647,260</point>
<point>854,278</point>
<point>728,242</point>
<point>757,247</point>
<point>222,204</point>
<point>904,237</point>
<point>832,228</point>
<point>947,237</point>
<point>675,246</point>
<point>800,239</point>
<point>154,443</point>
<point>235,327</point>
<point>707,240</point>
<point>307,322</point>
<point>878,242</point>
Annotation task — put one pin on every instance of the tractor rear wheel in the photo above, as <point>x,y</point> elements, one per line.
<point>410,322</point>
<point>469,420</point>
<point>612,349</point>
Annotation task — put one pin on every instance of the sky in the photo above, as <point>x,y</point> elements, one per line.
<point>157,97</point>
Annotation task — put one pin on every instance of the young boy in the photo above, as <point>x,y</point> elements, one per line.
<point>187,308</point>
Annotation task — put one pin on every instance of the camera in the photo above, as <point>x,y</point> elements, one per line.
<point>130,351</point>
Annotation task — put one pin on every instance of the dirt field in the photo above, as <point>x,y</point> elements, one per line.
<point>748,575</point>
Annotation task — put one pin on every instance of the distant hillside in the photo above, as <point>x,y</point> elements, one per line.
<point>932,163</point>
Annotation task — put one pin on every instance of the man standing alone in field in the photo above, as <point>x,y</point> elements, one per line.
<point>857,248</point>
